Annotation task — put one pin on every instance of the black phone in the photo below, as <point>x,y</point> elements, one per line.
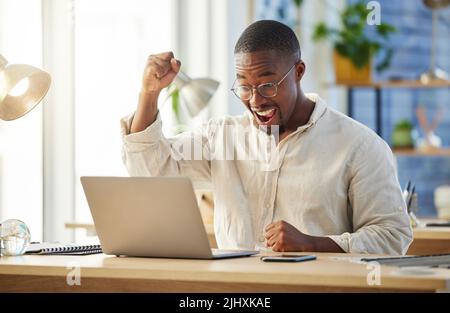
<point>288,258</point>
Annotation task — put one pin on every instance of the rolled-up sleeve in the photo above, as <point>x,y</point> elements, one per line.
<point>378,210</point>
<point>150,153</point>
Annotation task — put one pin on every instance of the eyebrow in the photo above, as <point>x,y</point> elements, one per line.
<point>266,73</point>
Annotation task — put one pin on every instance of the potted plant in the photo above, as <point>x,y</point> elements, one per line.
<point>402,136</point>
<point>353,47</point>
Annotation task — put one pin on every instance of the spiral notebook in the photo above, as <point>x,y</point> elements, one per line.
<point>61,249</point>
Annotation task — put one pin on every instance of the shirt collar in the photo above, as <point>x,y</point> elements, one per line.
<point>319,108</point>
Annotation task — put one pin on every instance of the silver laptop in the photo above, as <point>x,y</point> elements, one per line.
<point>150,217</point>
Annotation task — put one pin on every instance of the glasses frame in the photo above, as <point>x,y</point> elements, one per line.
<point>252,88</point>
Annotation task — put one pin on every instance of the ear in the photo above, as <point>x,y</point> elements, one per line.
<point>300,70</point>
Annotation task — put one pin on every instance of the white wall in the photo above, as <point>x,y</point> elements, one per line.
<point>21,140</point>
<point>207,31</point>
<point>318,55</point>
<point>59,118</point>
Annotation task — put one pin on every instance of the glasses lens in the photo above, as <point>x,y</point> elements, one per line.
<point>243,92</point>
<point>267,90</point>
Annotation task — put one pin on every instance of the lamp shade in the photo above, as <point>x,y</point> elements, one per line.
<point>22,87</point>
<point>195,92</point>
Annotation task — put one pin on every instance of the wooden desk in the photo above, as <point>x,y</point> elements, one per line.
<point>101,273</point>
<point>427,240</point>
<point>430,240</point>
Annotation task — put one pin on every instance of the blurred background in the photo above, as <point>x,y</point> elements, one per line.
<point>95,51</point>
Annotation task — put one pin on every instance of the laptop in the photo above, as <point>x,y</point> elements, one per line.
<point>150,217</point>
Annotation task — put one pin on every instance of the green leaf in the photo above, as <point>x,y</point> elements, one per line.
<point>176,103</point>
<point>374,47</point>
<point>386,62</point>
<point>298,3</point>
<point>385,29</point>
<point>404,124</point>
<point>321,31</point>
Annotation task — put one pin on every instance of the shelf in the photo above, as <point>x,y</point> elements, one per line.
<point>378,87</point>
<point>397,84</point>
<point>416,152</point>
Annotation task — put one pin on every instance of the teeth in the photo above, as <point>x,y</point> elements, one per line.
<point>266,113</point>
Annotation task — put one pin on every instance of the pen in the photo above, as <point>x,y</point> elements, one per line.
<point>410,197</point>
<point>406,190</point>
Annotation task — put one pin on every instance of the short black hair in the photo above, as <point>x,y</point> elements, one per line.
<point>267,35</point>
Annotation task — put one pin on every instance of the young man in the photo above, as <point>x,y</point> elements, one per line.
<point>328,184</point>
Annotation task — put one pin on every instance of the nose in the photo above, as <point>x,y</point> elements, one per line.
<point>256,99</point>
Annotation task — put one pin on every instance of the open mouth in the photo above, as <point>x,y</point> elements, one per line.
<point>266,116</point>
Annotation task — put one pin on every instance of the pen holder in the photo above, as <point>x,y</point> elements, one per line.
<point>414,206</point>
<point>413,210</point>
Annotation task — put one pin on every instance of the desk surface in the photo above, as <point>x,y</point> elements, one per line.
<point>432,233</point>
<point>331,272</point>
<point>427,240</point>
<point>430,240</point>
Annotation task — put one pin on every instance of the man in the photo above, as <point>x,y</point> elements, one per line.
<point>328,185</point>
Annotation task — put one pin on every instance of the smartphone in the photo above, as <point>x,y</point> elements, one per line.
<point>288,258</point>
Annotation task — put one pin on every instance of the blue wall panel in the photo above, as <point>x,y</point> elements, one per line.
<point>412,44</point>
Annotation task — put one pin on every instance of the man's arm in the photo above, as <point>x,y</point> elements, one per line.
<point>283,237</point>
<point>159,72</point>
<point>380,222</point>
<point>146,111</point>
<point>146,151</point>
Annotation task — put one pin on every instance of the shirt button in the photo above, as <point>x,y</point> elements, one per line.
<point>261,238</point>
<point>268,206</point>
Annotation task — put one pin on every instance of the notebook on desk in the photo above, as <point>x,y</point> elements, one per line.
<point>60,249</point>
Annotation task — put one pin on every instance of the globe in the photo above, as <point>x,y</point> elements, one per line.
<point>14,237</point>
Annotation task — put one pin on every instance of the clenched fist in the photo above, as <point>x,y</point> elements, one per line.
<point>159,72</point>
<point>283,237</point>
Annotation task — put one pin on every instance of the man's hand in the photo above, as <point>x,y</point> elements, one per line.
<point>159,72</point>
<point>284,237</point>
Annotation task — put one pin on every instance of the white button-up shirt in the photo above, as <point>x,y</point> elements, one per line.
<point>331,177</point>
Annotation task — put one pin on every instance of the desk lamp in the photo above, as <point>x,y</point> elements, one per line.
<point>195,92</point>
<point>22,87</point>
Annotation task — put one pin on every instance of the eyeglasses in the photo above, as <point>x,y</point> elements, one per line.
<point>267,90</point>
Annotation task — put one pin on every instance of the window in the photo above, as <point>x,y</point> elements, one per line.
<point>112,42</point>
<point>21,140</point>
